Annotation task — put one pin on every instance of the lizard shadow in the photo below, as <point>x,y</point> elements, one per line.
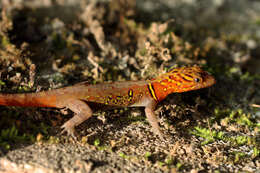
<point>187,110</point>
<point>102,127</point>
<point>121,123</point>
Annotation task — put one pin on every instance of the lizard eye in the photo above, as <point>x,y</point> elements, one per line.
<point>197,80</point>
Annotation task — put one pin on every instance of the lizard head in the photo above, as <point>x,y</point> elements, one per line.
<point>188,78</point>
<point>181,80</point>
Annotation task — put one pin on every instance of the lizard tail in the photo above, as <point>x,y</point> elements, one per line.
<point>41,99</point>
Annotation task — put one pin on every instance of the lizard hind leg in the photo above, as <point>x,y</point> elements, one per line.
<point>82,112</point>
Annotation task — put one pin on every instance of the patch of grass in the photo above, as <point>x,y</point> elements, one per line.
<point>219,114</point>
<point>237,116</point>
<point>249,78</point>
<point>244,119</point>
<point>43,128</point>
<point>16,130</point>
<point>241,140</point>
<point>209,135</point>
<point>212,135</point>
<point>11,135</point>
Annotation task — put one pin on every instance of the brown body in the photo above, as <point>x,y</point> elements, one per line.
<point>131,93</point>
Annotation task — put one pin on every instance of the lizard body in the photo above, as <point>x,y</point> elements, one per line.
<point>124,94</point>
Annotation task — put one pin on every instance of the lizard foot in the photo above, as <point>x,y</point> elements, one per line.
<point>70,131</point>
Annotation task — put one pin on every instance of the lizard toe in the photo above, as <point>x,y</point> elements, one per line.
<point>69,130</point>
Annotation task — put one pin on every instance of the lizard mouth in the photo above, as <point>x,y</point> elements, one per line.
<point>209,80</point>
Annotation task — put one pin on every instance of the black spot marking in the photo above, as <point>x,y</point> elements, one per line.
<point>189,75</point>
<point>152,92</point>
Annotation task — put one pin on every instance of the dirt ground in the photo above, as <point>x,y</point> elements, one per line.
<point>48,44</point>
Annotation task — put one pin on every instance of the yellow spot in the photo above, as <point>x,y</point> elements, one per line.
<point>130,93</point>
<point>164,89</point>
<point>163,83</point>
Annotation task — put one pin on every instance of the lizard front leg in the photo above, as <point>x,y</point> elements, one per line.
<point>82,112</point>
<point>149,112</point>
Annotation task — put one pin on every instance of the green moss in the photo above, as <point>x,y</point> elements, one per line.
<point>242,118</point>
<point>257,21</point>
<point>134,119</point>
<point>147,155</point>
<point>57,78</point>
<point>238,156</point>
<point>161,163</point>
<point>5,41</point>
<point>131,23</point>
<point>53,140</point>
<point>169,161</point>
<point>15,130</point>
<point>209,135</point>
<point>256,152</point>
<point>179,165</point>
<point>96,142</point>
<point>142,52</point>
<point>212,135</point>
<point>43,128</point>
<point>24,88</point>
<point>123,155</point>
<point>10,136</point>
<point>76,57</point>
<point>241,140</point>
<point>59,41</point>
<point>237,116</point>
<point>2,83</point>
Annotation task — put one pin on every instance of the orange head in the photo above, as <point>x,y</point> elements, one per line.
<point>181,80</point>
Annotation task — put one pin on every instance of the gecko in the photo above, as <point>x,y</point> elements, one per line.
<point>143,93</point>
